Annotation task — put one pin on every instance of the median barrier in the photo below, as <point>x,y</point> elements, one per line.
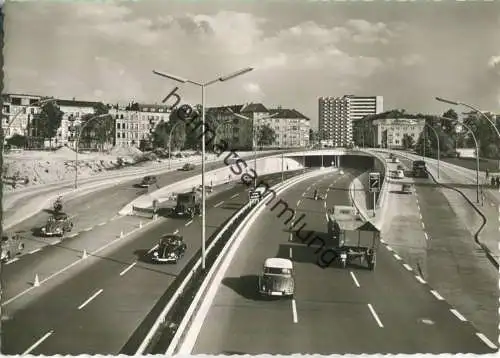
<point>230,228</point>
<point>216,177</point>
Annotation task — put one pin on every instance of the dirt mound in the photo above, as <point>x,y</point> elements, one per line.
<point>125,152</point>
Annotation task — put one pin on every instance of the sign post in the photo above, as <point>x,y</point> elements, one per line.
<point>374,185</point>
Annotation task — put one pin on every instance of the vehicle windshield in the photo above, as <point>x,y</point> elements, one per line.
<point>277,271</point>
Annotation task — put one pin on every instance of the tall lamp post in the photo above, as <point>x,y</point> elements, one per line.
<point>437,139</point>
<point>39,103</point>
<point>254,146</point>
<point>454,121</point>
<point>101,116</point>
<point>203,86</point>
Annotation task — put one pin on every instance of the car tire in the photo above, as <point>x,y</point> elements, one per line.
<point>8,256</point>
<point>21,246</point>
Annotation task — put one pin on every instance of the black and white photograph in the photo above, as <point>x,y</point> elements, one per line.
<point>250,177</point>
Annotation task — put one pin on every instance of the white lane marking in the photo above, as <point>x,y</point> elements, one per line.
<point>298,202</point>
<point>37,343</point>
<point>397,257</point>
<point>219,204</point>
<point>128,268</point>
<point>324,204</point>
<point>389,248</point>
<point>423,225</point>
<point>35,250</point>
<point>420,279</point>
<point>421,218</point>
<point>406,266</point>
<point>55,242</point>
<point>87,229</point>
<point>294,311</point>
<point>486,340</point>
<point>73,234</point>
<point>101,224</point>
<point>235,195</point>
<point>458,315</point>
<point>152,249</point>
<point>374,314</point>
<point>304,194</point>
<point>90,299</point>
<point>176,232</point>
<point>290,253</point>
<point>426,236</point>
<point>12,261</point>
<point>188,223</point>
<point>354,279</point>
<point>437,295</point>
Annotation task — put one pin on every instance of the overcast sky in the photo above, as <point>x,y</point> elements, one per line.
<point>407,52</point>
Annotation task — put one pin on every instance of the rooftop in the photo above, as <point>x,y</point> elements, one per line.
<point>75,103</point>
<point>288,114</point>
<point>254,107</point>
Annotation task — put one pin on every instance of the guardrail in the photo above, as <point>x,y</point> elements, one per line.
<point>228,229</point>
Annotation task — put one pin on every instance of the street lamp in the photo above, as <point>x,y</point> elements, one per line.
<point>203,86</point>
<point>254,146</point>
<point>101,116</point>
<point>169,142</point>
<point>39,103</point>
<point>477,151</point>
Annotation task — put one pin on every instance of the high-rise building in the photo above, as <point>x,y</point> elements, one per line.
<point>336,115</point>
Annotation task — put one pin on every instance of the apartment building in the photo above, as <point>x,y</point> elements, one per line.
<point>18,110</point>
<point>389,133</point>
<point>336,115</point>
<point>137,122</point>
<point>291,126</point>
<point>236,132</point>
<point>73,111</point>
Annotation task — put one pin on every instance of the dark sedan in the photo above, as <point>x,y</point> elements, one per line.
<point>170,249</point>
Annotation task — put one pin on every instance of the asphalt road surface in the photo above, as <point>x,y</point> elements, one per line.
<point>335,310</point>
<point>95,307</point>
<point>101,206</point>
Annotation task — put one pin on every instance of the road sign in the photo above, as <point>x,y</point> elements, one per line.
<point>374,182</point>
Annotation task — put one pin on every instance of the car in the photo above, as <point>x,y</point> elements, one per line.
<point>395,160</point>
<point>398,174</point>
<point>400,167</point>
<point>147,181</point>
<point>170,249</point>
<point>11,246</point>
<point>57,225</point>
<point>188,167</point>
<point>341,172</point>
<point>406,188</point>
<point>277,278</point>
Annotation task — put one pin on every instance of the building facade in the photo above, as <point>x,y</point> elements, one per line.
<point>336,115</point>
<point>137,122</point>
<point>18,111</point>
<point>391,131</point>
<point>235,132</point>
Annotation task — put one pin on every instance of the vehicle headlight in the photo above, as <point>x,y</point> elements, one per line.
<point>58,229</point>
<point>155,254</point>
<point>343,255</point>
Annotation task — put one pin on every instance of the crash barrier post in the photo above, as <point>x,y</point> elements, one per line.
<point>157,325</point>
<point>215,270</point>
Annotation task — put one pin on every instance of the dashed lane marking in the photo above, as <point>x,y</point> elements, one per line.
<point>354,279</point>
<point>176,231</point>
<point>437,295</point>
<point>90,299</point>
<point>12,261</point>
<point>56,242</point>
<point>87,229</point>
<point>74,234</point>
<point>374,314</point>
<point>420,279</point>
<point>35,250</point>
<point>389,248</point>
<point>303,195</point>
<point>458,315</point>
<point>235,195</point>
<point>294,311</point>
<point>103,223</point>
<point>406,266</point>
<point>188,223</point>
<point>397,257</point>
<point>219,204</point>
<point>128,268</point>
<point>298,202</point>
<point>486,340</point>
<point>37,343</point>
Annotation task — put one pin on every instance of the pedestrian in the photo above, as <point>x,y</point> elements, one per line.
<point>487,173</point>
<point>492,182</point>
<point>498,181</point>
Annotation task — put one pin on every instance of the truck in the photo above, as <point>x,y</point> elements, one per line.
<point>188,204</point>
<point>419,169</point>
<point>352,239</point>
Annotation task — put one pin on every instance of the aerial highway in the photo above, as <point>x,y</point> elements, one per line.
<point>96,306</point>
<point>334,310</point>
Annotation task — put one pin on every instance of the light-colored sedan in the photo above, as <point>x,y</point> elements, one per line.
<point>399,174</point>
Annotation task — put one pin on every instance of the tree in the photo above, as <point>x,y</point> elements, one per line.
<point>423,146</point>
<point>161,134</point>
<point>47,121</point>
<point>448,126</point>
<point>266,135</point>
<point>408,142</point>
<point>17,141</point>
<point>313,137</point>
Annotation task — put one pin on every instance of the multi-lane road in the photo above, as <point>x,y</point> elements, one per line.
<point>96,305</point>
<point>334,310</point>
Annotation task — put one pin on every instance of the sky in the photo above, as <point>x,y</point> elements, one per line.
<point>408,52</point>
